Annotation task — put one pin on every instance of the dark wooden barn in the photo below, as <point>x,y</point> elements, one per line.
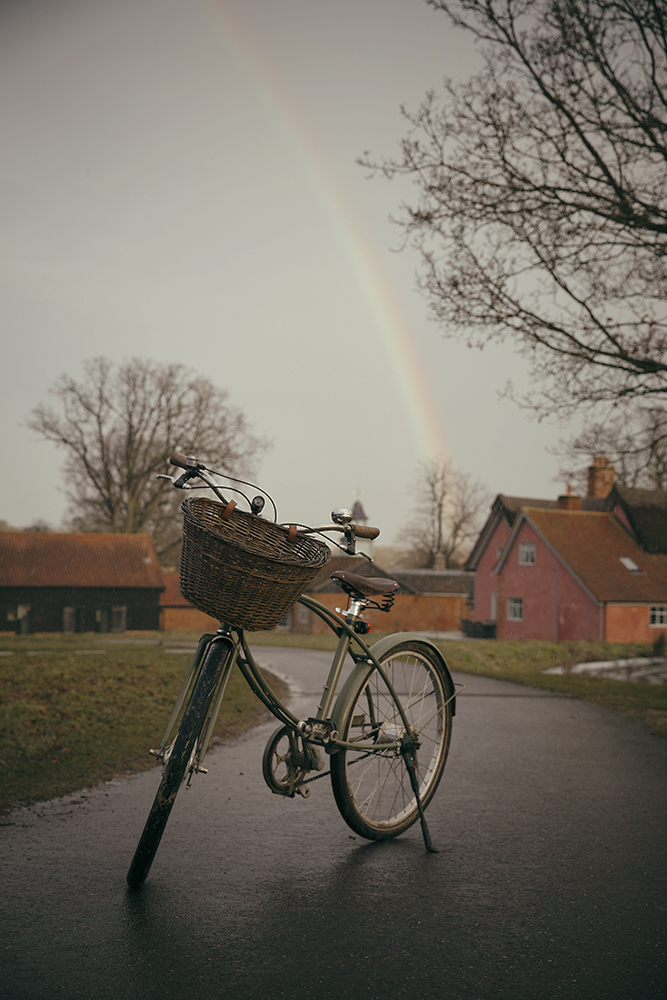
<point>78,583</point>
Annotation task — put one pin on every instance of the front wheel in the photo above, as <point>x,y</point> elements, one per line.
<point>181,759</point>
<point>372,787</point>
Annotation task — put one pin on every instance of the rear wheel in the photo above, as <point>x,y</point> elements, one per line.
<point>180,760</point>
<point>372,788</point>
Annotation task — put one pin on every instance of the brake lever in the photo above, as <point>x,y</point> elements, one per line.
<point>180,483</point>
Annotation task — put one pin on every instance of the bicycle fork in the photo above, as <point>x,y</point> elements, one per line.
<point>215,657</point>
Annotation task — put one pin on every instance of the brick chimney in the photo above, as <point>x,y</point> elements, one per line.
<point>600,477</point>
<point>569,500</point>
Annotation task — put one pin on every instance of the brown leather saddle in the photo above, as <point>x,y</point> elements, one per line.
<point>367,586</point>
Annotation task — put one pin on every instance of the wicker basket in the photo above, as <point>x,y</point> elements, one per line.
<point>244,570</point>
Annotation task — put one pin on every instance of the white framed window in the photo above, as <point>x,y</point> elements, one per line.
<point>494,606</point>
<point>304,616</point>
<point>515,609</point>
<point>657,615</point>
<point>526,553</point>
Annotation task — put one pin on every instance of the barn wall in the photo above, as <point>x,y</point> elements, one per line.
<point>92,606</point>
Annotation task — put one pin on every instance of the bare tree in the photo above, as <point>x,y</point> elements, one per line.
<point>446,516</point>
<point>635,441</point>
<point>39,527</point>
<point>119,425</point>
<point>541,214</point>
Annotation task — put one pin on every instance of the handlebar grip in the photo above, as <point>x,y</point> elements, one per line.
<point>365,531</point>
<point>179,459</point>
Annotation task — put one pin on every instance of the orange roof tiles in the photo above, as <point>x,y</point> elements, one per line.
<point>36,559</point>
<point>171,596</point>
<point>592,545</point>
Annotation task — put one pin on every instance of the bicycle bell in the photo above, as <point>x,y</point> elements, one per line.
<point>341,515</point>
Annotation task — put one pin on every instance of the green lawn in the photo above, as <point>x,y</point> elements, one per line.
<point>71,716</point>
<point>524,662</point>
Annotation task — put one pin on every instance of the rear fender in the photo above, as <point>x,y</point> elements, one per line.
<point>364,669</point>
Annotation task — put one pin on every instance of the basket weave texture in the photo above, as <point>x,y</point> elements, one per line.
<point>243,570</point>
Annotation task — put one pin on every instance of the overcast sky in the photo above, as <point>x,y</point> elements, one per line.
<point>178,182</point>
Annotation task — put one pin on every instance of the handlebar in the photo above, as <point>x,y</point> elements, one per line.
<point>360,530</point>
<point>365,531</point>
<point>183,462</point>
<point>194,469</point>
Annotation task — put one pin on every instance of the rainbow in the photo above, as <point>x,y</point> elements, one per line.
<point>391,327</point>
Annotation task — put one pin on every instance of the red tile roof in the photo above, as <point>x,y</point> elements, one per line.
<point>508,508</point>
<point>171,596</point>
<point>41,559</point>
<point>592,545</point>
<point>434,581</point>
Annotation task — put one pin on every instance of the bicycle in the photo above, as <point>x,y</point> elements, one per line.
<point>395,707</point>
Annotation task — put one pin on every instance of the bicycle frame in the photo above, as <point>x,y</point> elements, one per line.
<point>318,729</point>
<point>361,721</point>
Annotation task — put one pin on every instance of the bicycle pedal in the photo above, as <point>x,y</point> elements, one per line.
<point>319,731</point>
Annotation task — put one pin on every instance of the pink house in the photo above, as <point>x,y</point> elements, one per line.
<point>488,549</point>
<point>572,568</point>
<point>575,574</point>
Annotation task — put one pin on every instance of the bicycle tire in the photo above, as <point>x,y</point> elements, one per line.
<point>177,765</point>
<point>372,789</point>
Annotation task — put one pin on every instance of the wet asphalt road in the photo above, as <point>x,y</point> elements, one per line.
<point>551,822</point>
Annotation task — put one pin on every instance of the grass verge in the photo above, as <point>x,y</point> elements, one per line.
<point>524,662</point>
<point>77,710</point>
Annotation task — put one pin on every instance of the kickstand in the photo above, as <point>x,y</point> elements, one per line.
<point>410,758</point>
